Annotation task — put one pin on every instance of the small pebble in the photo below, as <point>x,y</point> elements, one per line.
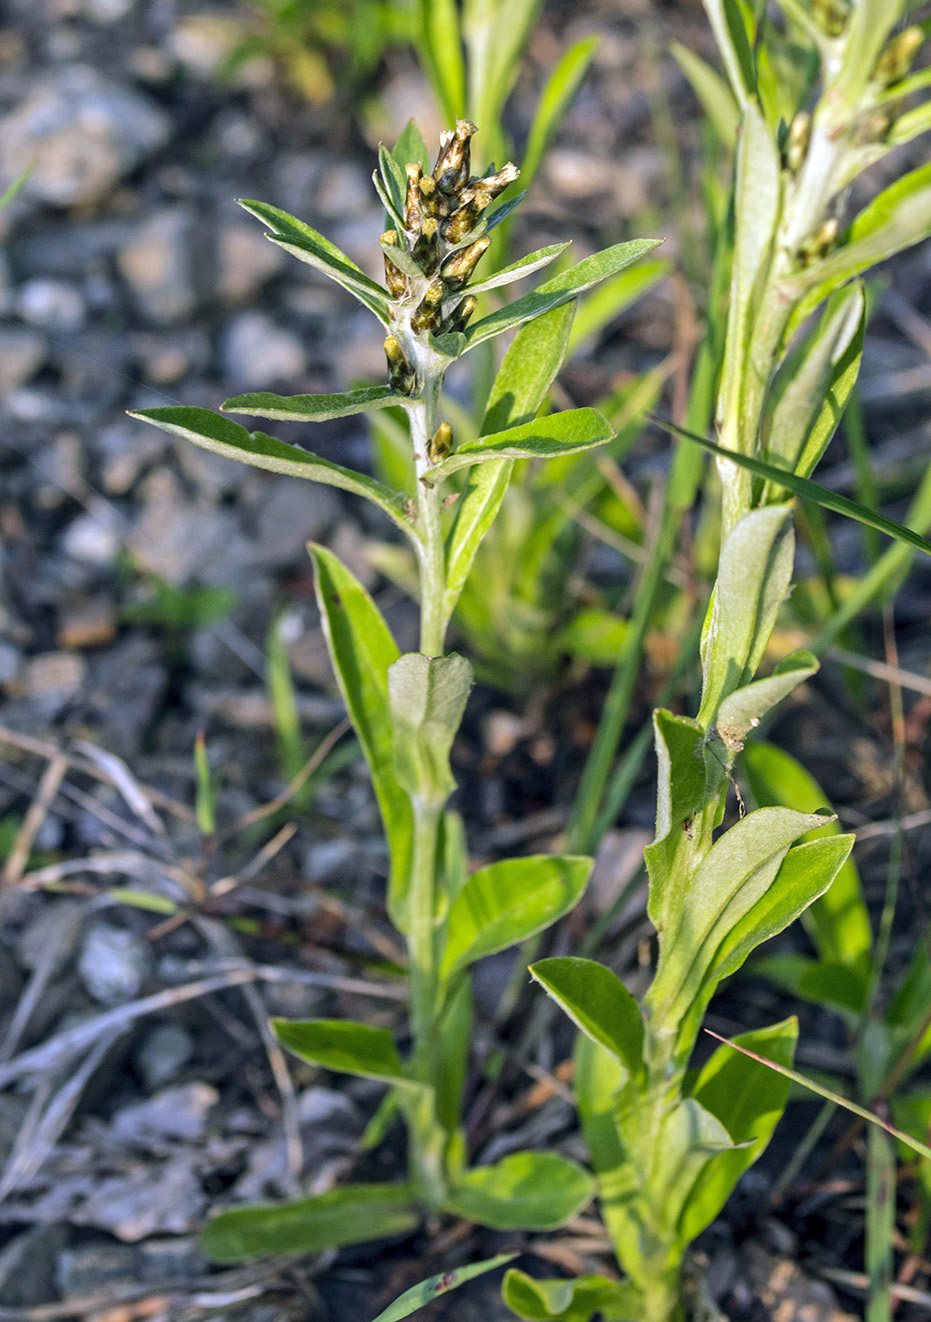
<point>113,963</point>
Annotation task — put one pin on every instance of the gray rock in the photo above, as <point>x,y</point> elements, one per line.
<point>90,1268</point>
<point>180,539</point>
<point>178,1113</point>
<point>82,134</point>
<point>10,663</point>
<point>291,513</point>
<point>113,963</point>
<point>164,1199</point>
<point>27,1267</point>
<point>165,1051</point>
<point>50,935</point>
<point>247,261</point>
<point>257,354</point>
<point>175,1259</point>
<point>22,353</point>
<point>54,675</point>
<point>93,539</point>
<point>51,304</point>
<point>158,263</point>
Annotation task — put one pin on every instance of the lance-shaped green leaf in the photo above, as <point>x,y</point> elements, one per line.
<point>526,1191</point>
<point>509,901</point>
<point>814,387</point>
<point>362,650</point>
<point>403,260</point>
<point>716,98</point>
<point>393,177</point>
<point>702,910</point>
<point>743,709</point>
<point>596,1001</point>
<point>754,573</point>
<point>598,1077</point>
<point>309,246</point>
<point>804,1082</point>
<point>730,33</point>
<point>838,921</point>
<point>756,204</point>
<point>571,1301</point>
<point>339,1044</point>
<point>427,697</point>
<point>418,1296</point>
<point>749,1103</point>
<point>329,1220</point>
<point>230,439</point>
<point>520,387</point>
<point>410,147</point>
<point>566,285</point>
<point>897,218</point>
<point>689,1135</point>
<point>313,408</point>
<point>805,874</point>
<point>548,438</point>
<point>517,270</point>
<point>805,489</point>
<point>609,299</point>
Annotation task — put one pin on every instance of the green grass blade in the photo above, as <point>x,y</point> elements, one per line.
<point>805,489</point>
<point>424,1293</point>
<point>921,1148</point>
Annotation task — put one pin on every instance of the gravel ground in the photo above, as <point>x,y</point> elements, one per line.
<point>139,580</point>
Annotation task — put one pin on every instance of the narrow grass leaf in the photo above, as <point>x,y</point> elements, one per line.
<point>230,439</point>
<point>526,1191</point>
<point>329,1220</point>
<point>805,489</point>
<point>504,903</point>
<point>560,88</point>
<point>731,36</point>
<point>715,97</point>
<point>418,1296</point>
<point>913,1143</point>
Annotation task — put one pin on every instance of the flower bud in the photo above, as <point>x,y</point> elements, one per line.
<point>441,443</point>
<point>466,217</point>
<point>896,60</point>
<point>799,138</point>
<point>453,164</point>
<point>395,278</point>
<point>832,15</point>
<point>459,266</point>
<point>432,201</point>
<point>426,251</point>
<point>413,208</point>
<point>427,316</point>
<point>819,244</point>
<point>401,375</point>
<point>458,318</point>
<point>498,182</point>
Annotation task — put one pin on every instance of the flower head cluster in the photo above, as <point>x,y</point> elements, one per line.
<point>429,262</point>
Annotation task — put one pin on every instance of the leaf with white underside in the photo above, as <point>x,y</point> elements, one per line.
<point>222,436</point>
<point>559,434</point>
<point>309,246</point>
<point>517,270</point>
<point>313,408</point>
<point>743,709</point>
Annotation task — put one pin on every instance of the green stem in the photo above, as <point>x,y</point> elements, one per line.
<point>428,1139</point>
